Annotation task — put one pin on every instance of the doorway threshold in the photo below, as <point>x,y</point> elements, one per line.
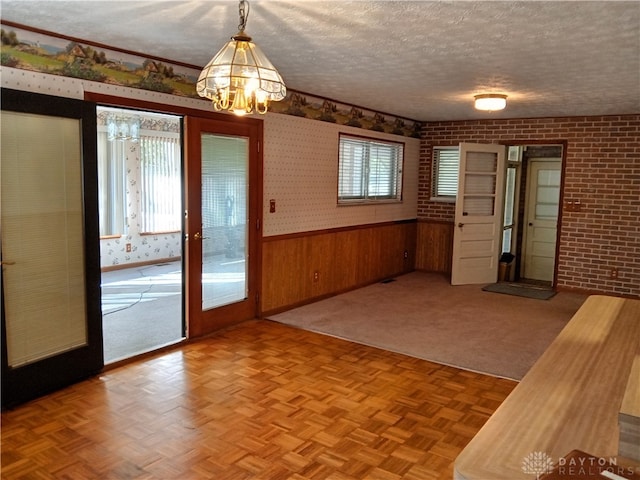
<point>531,283</point>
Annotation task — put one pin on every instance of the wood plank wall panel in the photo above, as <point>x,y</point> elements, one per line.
<point>343,260</point>
<point>282,269</point>
<point>347,248</point>
<point>320,260</point>
<point>370,260</point>
<point>435,246</point>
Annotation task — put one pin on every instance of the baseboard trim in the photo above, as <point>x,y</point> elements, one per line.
<point>122,266</point>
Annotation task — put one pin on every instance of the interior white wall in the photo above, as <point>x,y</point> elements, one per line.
<point>301,175</point>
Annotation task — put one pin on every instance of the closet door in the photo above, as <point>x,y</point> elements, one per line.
<point>51,322</point>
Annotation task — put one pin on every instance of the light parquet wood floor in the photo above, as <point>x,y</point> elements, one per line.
<point>258,401</point>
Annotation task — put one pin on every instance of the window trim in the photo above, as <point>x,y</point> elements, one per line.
<point>435,174</point>
<point>399,149</point>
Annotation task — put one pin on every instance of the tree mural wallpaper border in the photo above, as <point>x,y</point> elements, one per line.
<point>47,52</point>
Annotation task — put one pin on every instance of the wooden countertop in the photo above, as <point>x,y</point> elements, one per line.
<point>569,400</point>
<point>631,401</point>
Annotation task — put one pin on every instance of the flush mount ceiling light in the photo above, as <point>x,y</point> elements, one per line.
<point>490,101</point>
<point>240,78</point>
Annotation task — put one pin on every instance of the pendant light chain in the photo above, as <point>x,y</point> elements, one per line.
<point>243,13</point>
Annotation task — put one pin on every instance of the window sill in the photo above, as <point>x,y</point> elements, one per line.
<point>352,203</point>
<point>443,199</point>
<point>168,232</point>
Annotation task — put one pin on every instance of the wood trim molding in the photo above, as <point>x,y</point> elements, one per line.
<point>123,102</point>
<point>432,221</point>
<point>287,236</point>
<point>122,266</point>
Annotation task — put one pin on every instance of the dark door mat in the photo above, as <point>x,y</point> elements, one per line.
<point>520,290</point>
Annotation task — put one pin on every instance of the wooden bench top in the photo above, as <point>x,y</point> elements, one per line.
<point>569,400</point>
<point>631,401</point>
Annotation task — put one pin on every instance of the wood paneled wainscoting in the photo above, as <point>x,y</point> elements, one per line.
<point>303,267</point>
<point>434,246</point>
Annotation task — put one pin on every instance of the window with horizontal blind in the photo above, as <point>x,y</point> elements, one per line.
<point>160,182</point>
<point>111,185</point>
<point>446,162</point>
<point>369,170</point>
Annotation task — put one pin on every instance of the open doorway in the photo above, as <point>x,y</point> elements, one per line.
<point>141,231</point>
<point>531,213</point>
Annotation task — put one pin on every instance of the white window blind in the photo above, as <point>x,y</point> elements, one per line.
<point>160,205</point>
<point>224,181</point>
<point>111,185</point>
<point>446,162</point>
<point>42,236</point>
<point>369,170</point>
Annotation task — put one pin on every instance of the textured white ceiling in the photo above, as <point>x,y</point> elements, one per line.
<point>419,59</point>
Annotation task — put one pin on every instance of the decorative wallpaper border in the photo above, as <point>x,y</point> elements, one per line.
<point>32,50</point>
<point>154,123</point>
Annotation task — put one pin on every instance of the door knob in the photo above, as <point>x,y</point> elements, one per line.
<point>198,236</point>
<point>460,225</point>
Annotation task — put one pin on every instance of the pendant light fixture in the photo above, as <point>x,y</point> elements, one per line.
<point>123,127</point>
<point>490,101</point>
<point>240,78</point>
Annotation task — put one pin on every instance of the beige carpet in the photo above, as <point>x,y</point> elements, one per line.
<point>422,315</point>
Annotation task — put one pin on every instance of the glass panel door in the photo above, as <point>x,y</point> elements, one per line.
<point>224,219</point>
<point>223,213</point>
<point>51,333</point>
<point>509,209</point>
<point>42,236</point>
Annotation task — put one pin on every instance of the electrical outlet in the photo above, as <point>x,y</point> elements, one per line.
<point>613,273</point>
<point>128,247</point>
<point>272,206</point>
<point>406,254</point>
<point>316,276</point>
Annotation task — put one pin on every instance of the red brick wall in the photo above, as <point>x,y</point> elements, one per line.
<point>602,171</point>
